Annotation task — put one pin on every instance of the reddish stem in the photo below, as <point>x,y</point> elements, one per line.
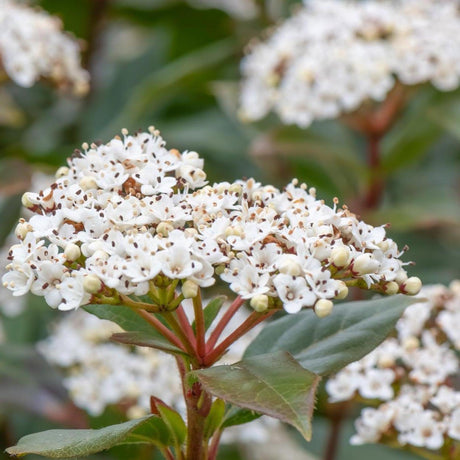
<point>161,328</point>
<point>186,327</point>
<point>216,333</point>
<point>199,325</point>
<point>252,321</point>
<point>214,445</point>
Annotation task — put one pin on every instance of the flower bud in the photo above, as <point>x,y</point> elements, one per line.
<point>323,307</point>
<point>401,276</point>
<point>411,343</point>
<point>340,256</point>
<point>391,288</point>
<point>289,265</point>
<point>412,285</point>
<point>72,252</point>
<point>163,228</point>
<point>26,200</point>
<point>259,303</point>
<point>99,254</point>
<point>234,231</point>
<point>22,229</point>
<point>364,264</point>
<point>343,291</point>
<point>386,361</point>
<point>92,284</point>
<point>189,289</point>
<point>88,183</point>
<point>61,172</point>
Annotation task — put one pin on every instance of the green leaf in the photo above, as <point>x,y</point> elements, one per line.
<point>273,384</point>
<point>174,422</point>
<point>75,443</point>
<point>143,339</point>
<point>211,311</point>
<point>126,318</point>
<point>214,418</point>
<point>238,416</point>
<point>153,431</point>
<point>326,345</point>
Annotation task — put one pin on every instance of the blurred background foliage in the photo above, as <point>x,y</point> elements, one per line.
<point>165,63</point>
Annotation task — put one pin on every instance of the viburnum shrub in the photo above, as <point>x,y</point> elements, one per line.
<point>130,230</point>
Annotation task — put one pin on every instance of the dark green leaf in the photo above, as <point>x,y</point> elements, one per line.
<point>273,384</point>
<point>126,318</point>
<point>238,416</point>
<point>74,443</point>
<point>174,422</point>
<point>143,339</point>
<point>325,345</point>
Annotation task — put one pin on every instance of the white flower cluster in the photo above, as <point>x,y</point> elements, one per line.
<point>334,55</point>
<point>33,46</point>
<point>415,374</point>
<point>240,9</point>
<point>129,216</point>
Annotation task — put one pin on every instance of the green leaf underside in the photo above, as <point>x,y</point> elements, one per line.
<point>274,384</point>
<point>326,345</point>
<point>143,339</point>
<point>79,443</point>
<point>126,318</point>
<point>238,416</point>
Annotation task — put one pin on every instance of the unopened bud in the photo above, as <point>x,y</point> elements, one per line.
<point>340,256</point>
<point>364,264</point>
<point>289,265</point>
<point>61,172</point>
<point>189,289</point>
<point>259,303</point>
<point>163,228</point>
<point>22,229</point>
<point>401,276</point>
<point>386,361</point>
<point>454,286</point>
<point>26,200</point>
<point>391,288</point>
<point>411,343</point>
<point>234,231</point>
<point>99,254</point>
<point>72,252</point>
<point>323,307</point>
<point>92,284</point>
<point>235,188</point>
<point>412,285</point>
<point>342,291</point>
<point>88,183</point>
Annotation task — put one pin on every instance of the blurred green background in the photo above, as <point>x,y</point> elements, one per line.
<point>165,63</point>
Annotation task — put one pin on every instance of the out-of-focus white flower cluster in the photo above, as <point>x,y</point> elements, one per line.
<point>130,216</point>
<point>99,373</point>
<point>416,374</point>
<point>33,46</point>
<point>334,55</point>
<point>11,305</point>
<point>240,9</point>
